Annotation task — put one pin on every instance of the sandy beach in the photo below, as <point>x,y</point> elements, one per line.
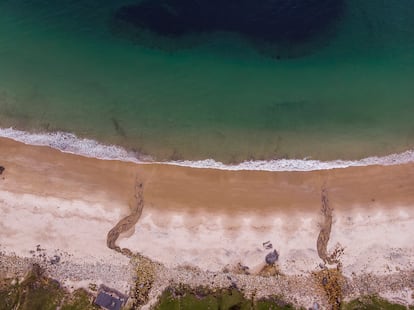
<point>210,219</point>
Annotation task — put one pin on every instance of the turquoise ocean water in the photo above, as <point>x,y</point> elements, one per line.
<point>349,95</point>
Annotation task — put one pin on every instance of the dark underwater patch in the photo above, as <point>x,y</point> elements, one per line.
<point>262,22</point>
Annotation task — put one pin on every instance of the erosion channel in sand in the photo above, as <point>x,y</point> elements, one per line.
<point>213,220</point>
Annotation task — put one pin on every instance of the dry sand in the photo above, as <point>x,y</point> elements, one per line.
<point>204,217</point>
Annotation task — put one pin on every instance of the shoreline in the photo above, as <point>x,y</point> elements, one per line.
<point>208,219</point>
<point>69,143</point>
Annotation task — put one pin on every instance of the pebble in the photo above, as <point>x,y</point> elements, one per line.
<point>301,289</point>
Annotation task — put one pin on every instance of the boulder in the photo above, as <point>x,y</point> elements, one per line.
<point>272,257</point>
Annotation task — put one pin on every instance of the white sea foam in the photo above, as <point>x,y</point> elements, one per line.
<point>70,143</point>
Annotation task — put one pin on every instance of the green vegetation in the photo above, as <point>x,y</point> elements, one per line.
<point>183,298</point>
<point>37,292</point>
<point>371,303</point>
<point>79,300</point>
<point>9,295</point>
<point>34,292</point>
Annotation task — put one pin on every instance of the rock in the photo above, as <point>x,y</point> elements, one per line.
<point>324,281</point>
<point>272,257</point>
<point>55,259</point>
<point>2,169</point>
<point>315,306</point>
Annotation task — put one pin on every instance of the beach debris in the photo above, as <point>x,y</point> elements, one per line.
<point>242,269</point>
<point>55,260</point>
<point>234,285</point>
<point>272,257</point>
<point>315,306</point>
<point>267,245</point>
<point>2,169</point>
<point>269,271</point>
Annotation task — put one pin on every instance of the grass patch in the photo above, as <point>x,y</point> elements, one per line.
<point>38,292</point>
<point>9,294</point>
<point>79,300</point>
<point>33,293</point>
<point>182,298</point>
<point>371,303</point>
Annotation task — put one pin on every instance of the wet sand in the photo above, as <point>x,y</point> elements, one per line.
<point>205,217</point>
<point>49,172</point>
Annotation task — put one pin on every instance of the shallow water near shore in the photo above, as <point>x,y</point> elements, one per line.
<point>347,95</point>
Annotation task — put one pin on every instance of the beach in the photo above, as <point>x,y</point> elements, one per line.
<point>270,152</point>
<point>209,219</point>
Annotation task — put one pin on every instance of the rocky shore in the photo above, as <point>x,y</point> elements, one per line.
<point>145,281</point>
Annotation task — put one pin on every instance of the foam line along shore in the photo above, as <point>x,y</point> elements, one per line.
<point>70,143</point>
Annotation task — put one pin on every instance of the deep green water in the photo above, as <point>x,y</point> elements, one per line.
<point>62,67</point>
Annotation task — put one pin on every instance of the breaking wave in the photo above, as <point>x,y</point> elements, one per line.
<point>70,143</point>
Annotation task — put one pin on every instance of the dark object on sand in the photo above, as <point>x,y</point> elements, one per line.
<point>244,268</point>
<point>108,302</point>
<point>325,281</point>
<point>55,260</point>
<point>2,169</point>
<point>272,257</point>
<point>110,299</point>
<point>267,245</point>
